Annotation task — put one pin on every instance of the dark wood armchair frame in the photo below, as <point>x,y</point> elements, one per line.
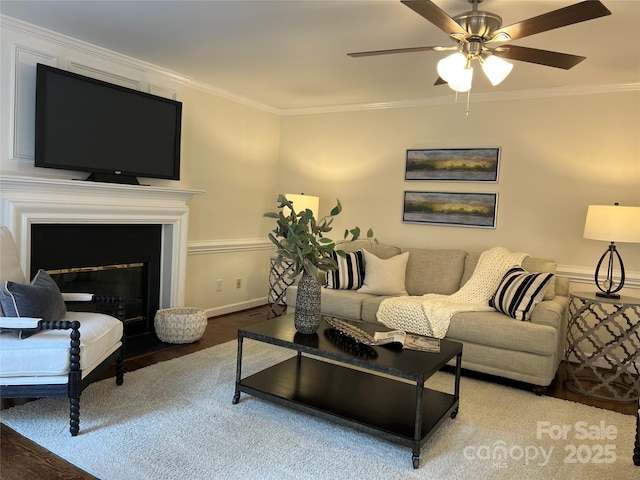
<point>76,384</point>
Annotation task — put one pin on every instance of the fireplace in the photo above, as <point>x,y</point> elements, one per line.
<point>28,204</point>
<point>105,259</point>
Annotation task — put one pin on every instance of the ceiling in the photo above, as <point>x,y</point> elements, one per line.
<point>292,54</point>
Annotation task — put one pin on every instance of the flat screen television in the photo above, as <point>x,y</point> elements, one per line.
<point>115,133</point>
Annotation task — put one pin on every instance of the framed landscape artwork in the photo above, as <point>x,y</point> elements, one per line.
<point>456,209</point>
<point>453,164</point>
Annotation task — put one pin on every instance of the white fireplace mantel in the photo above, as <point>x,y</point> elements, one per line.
<point>30,200</point>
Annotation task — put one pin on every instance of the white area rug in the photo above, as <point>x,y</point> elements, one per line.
<point>175,420</point>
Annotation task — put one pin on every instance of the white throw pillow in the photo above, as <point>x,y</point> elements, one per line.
<point>384,277</point>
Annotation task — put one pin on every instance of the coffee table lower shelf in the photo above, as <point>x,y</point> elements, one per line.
<point>380,406</point>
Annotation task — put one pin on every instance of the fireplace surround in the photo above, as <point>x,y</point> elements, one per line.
<point>26,201</point>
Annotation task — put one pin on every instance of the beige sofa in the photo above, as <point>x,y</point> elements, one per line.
<point>494,343</point>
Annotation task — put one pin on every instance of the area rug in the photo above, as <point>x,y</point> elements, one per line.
<point>176,420</point>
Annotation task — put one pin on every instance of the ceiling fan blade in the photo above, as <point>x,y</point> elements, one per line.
<point>541,57</point>
<point>438,17</point>
<point>394,50</point>
<point>579,12</point>
<point>440,81</point>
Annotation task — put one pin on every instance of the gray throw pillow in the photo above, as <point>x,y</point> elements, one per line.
<point>39,299</point>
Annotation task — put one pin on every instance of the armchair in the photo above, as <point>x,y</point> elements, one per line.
<point>52,354</point>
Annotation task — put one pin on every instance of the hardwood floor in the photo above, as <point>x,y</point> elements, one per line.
<point>21,459</point>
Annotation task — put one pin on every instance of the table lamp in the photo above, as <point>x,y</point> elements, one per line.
<point>613,223</point>
<point>301,202</point>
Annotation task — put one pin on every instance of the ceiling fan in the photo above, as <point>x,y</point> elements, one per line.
<point>475,31</point>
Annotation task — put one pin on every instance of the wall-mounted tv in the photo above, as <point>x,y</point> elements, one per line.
<point>115,133</point>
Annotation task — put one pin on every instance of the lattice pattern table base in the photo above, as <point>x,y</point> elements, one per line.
<point>603,352</point>
<point>279,280</point>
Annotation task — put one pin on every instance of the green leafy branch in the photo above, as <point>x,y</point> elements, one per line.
<point>300,239</point>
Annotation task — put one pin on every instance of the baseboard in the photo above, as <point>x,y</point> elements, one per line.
<point>235,307</point>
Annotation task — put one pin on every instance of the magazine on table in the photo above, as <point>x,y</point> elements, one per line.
<point>409,341</point>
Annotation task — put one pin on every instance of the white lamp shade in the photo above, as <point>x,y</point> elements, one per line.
<point>302,202</point>
<point>613,223</point>
<point>462,83</point>
<point>450,67</point>
<point>496,69</point>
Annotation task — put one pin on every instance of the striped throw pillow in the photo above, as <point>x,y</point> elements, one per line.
<point>349,274</point>
<point>519,292</point>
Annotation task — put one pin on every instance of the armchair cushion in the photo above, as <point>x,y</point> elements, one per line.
<point>41,299</point>
<point>44,357</point>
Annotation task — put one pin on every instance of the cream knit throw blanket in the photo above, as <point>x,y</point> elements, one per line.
<point>430,314</point>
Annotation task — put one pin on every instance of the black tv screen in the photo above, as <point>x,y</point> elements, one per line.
<point>116,133</point>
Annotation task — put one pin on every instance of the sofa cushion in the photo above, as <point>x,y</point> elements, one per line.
<point>350,272</point>
<point>534,265</point>
<point>470,261</point>
<point>370,308</point>
<point>40,299</point>
<point>337,303</point>
<point>519,292</point>
<point>497,330</point>
<point>434,271</point>
<point>384,276</point>
<point>380,250</point>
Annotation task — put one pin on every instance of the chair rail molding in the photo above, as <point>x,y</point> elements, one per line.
<point>29,200</point>
<point>585,275</point>
<point>227,246</point>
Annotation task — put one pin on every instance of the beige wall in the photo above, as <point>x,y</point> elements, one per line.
<point>231,152</point>
<point>558,155</point>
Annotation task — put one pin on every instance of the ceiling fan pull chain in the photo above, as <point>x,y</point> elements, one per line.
<point>468,98</point>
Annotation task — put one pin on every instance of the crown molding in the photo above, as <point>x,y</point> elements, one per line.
<point>495,96</point>
<point>220,92</point>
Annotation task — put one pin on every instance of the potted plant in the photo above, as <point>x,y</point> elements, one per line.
<point>301,241</point>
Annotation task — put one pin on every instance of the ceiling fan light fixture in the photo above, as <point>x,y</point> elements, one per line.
<point>462,81</point>
<point>449,67</point>
<point>496,69</point>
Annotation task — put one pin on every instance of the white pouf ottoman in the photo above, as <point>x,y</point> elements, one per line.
<point>180,325</point>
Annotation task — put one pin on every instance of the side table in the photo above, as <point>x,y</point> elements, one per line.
<point>602,359</point>
<point>279,280</point>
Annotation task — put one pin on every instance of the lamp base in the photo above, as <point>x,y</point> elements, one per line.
<point>606,289</point>
<point>607,295</point>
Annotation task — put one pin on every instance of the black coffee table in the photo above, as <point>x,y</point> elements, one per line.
<point>336,378</point>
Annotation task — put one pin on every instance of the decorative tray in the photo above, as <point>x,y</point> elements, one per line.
<point>352,331</point>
